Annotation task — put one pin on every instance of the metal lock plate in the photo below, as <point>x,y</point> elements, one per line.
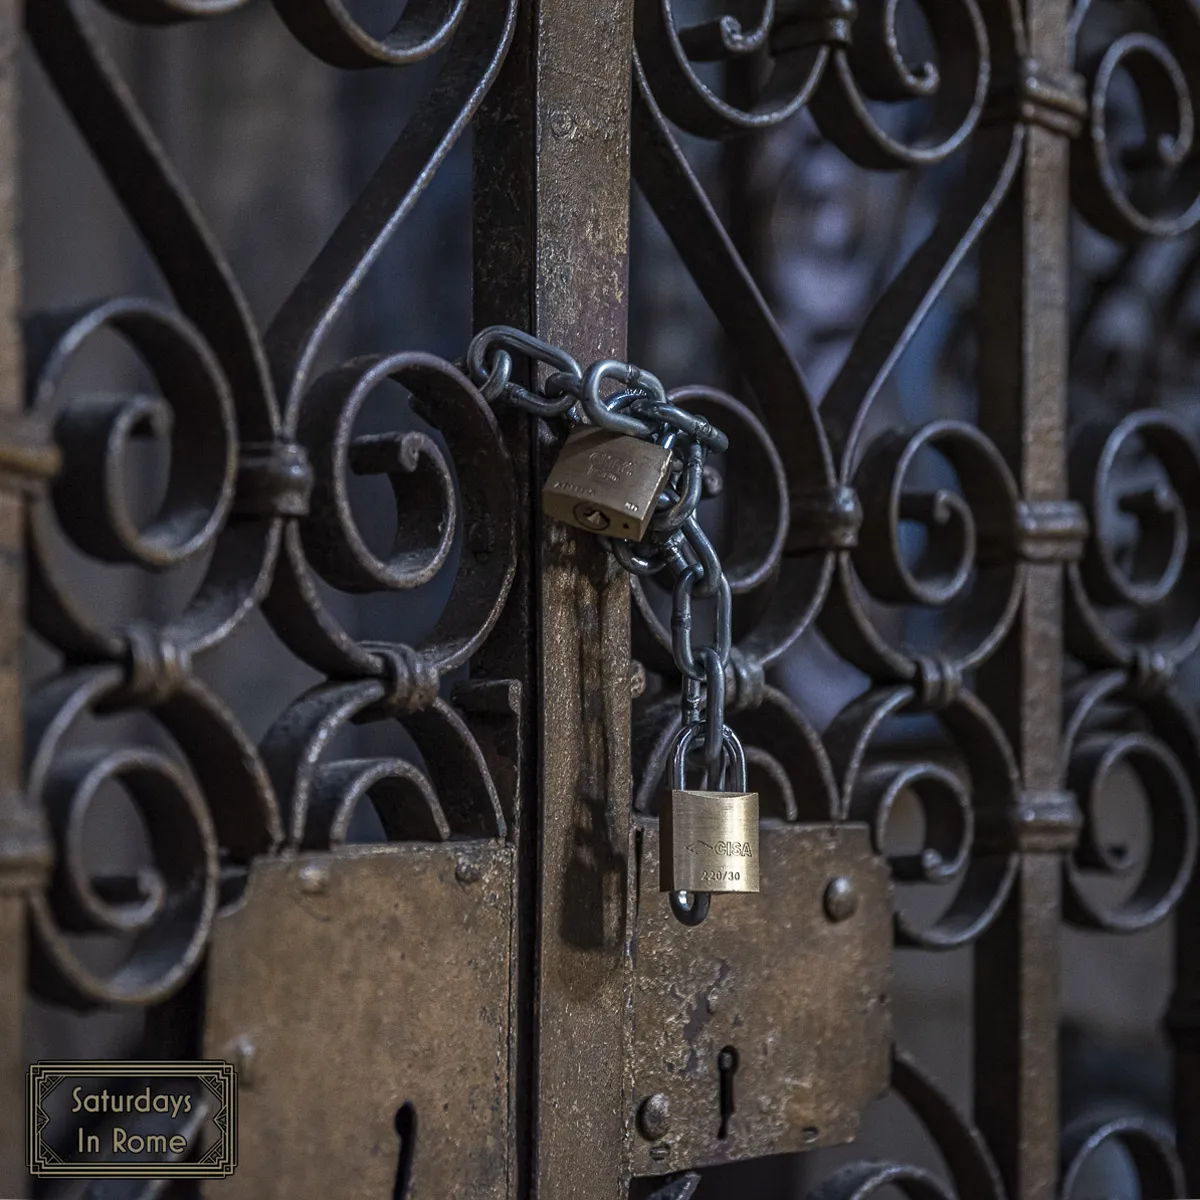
<point>767,1029</point>
<point>348,986</point>
<point>606,483</point>
<point>710,842</point>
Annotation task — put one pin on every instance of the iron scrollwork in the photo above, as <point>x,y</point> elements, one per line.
<point>827,504</point>
<point>856,521</point>
<point>1134,469</point>
<point>260,446</point>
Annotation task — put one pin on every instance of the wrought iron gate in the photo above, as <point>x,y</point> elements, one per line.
<point>487,1000</point>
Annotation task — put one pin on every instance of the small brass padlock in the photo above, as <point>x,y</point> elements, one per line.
<point>607,483</point>
<point>709,839</point>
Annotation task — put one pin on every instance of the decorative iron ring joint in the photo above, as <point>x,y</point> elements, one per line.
<point>28,458</point>
<point>824,519</point>
<point>745,681</point>
<point>1050,530</point>
<point>1150,674</point>
<point>26,851</point>
<point>275,479</point>
<point>814,23</point>
<point>1042,822</point>
<point>938,682</point>
<point>411,679</point>
<point>156,665</point>
<point>1035,94</point>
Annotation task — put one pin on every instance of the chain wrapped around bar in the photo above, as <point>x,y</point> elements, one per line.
<point>675,541</point>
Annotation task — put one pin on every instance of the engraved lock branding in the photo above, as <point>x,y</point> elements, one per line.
<point>606,482</point>
<point>604,464</point>
<point>731,849</point>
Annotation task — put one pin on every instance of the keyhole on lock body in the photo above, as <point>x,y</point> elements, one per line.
<point>406,1130</point>
<point>727,1065</point>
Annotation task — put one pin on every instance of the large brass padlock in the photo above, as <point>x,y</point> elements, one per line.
<point>709,838</point>
<point>606,482</point>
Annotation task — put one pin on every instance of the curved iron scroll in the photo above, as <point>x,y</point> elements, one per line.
<point>969,566</point>
<point>261,445</point>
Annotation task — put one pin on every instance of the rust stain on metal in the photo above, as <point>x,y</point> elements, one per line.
<point>579,265</point>
<point>768,1028</point>
<point>395,996</point>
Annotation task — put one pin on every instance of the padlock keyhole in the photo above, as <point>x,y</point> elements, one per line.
<point>727,1065</point>
<point>406,1131</point>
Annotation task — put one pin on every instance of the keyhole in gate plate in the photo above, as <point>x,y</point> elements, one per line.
<point>727,1065</point>
<point>406,1130</point>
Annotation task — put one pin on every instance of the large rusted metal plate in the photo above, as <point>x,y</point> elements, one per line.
<point>349,985</point>
<point>801,998</point>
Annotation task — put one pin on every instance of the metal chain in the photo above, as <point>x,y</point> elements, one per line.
<point>675,542</point>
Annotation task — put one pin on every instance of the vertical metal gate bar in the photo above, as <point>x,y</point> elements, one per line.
<point>1023,371</point>
<point>582,80</point>
<point>23,847</point>
<point>551,221</point>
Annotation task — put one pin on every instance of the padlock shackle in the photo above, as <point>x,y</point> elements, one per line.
<point>691,908</point>
<point>731,746</point>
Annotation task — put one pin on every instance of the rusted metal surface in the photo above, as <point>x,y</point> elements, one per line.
<point>364,997</point>
<point>579,271</point>
<point>796,1001</point>
<point>549,149</point>
<point>1023,373</point>
<point>551,257</point>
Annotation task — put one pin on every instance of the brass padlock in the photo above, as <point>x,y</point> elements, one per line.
<point>607,482</point>
<point>709,839</point>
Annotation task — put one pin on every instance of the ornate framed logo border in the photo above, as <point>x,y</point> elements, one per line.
<point>218,1079</point>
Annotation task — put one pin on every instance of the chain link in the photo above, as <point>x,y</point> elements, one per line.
<point>675,542</point>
